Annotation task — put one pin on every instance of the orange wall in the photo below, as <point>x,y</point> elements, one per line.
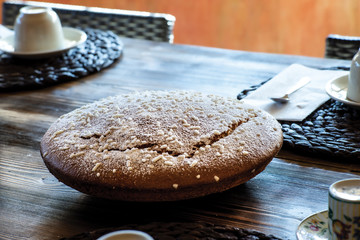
<point>277,26</point>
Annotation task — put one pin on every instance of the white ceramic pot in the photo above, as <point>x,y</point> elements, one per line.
<point>38,29</point>
<point>353,92</point>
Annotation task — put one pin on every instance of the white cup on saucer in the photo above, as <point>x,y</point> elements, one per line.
<point>38,29</point>
<point>353,92</point>
<point>344,210</point>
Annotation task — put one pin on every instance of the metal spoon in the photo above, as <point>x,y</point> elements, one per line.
<point>284,99</point>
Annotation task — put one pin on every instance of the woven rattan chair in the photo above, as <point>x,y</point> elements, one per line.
<point>341,47</point>
<point>132,24</point>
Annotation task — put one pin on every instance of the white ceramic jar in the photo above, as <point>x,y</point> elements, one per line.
<point>353,92</point>
<point>38,29</point>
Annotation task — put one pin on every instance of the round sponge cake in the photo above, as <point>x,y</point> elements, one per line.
<point>160,146</point>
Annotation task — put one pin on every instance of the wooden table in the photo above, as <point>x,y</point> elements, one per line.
<point>34,205</point>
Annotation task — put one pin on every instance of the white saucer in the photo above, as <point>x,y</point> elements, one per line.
<point>73,38</point>
<point>314,227</point>
<point>337,89</point>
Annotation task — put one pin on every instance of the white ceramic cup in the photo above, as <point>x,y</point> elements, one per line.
<point>126,235</point>
<point>353,92</point>
<point>38,29</point>
<point>344,210</point>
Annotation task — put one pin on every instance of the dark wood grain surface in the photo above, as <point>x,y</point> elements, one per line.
<point>34,205</point>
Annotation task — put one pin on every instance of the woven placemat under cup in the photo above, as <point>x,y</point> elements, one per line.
<point>331,131</point>
<point>99,51</point>
<point>181,231</point>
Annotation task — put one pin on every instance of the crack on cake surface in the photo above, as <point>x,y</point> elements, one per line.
<point>95,135</point>
<point>217,137</point>
<point>150,146</point>
<point>157,148</point>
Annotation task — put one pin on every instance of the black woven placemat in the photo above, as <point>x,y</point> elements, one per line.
<point>331,131</point>
<point>99,51</point>
<point>182,231</point>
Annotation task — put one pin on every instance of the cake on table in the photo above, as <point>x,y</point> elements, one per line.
<point>160,145</point>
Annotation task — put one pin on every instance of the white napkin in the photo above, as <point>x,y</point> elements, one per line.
<point>4,31</point>
<point>302,102</point>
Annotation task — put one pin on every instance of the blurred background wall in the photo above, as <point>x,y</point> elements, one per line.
<point>276,26</point>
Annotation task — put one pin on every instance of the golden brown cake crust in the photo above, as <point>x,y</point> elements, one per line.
<point>160,146</point>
